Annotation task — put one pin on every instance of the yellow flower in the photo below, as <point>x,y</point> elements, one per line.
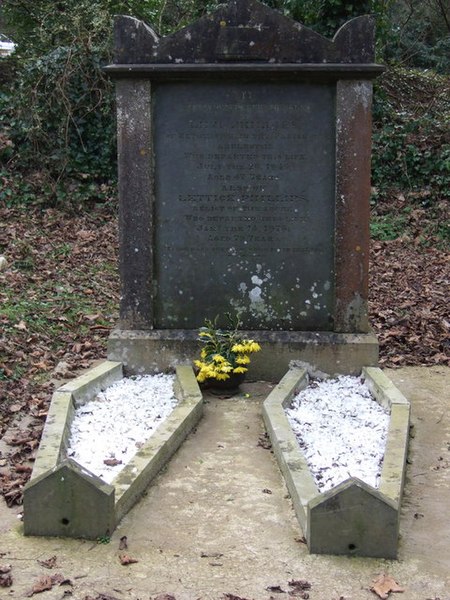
<point>240,370</point>
<point>210,371</point>
<point>222,376</point>
<point>242,359</point>
<point>204,334</point>
<point>238,348</point>
<point>251,346</point>
<point>218,358</point>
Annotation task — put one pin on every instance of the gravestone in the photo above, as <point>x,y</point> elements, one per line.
<point>244,146</point>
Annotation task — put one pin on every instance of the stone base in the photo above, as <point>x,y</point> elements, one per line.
<point>65,499</point>
<point>352,518</point>
<point>323,352</point>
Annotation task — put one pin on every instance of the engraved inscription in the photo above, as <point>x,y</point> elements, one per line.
<point>244,184</point>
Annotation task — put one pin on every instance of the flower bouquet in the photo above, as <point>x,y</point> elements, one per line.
<point>225,354</point>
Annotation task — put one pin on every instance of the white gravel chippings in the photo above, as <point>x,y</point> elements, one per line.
<point>117,422</point>
<point>341,430</point>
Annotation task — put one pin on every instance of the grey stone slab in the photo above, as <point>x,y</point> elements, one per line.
<point>54,436</point>
<point>135,166</point>
<point>244,30</point>
<point>133,480</point>
<point>333,353</point>
<point>292,463</point>
<point>69,501</point>
<point>353,519</point>
<point>90,383</point>
<point>247,225</point>
<point>392,479</point>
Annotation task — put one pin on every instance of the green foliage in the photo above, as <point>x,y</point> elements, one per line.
<point>411,145</point>
<point>420,34</point>
<point>57,112</point>
<point>57,129</point>
<point>327,16</point>
<point>387,227</point>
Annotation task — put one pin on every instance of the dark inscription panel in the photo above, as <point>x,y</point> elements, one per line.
<point>244,184</point>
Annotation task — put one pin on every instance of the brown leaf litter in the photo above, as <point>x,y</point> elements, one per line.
<point>384,584</point>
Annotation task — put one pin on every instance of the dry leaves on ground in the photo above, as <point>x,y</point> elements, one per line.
<point>125,559</point>
<point>123,543</point>
<point>408,302</point>
<point>58,302</point>
<point>384,584</point>
<point>299,588</point>
<point>6,579</point>
<point>49,563</point>
<point>101,597</point>
<point>46,582</point>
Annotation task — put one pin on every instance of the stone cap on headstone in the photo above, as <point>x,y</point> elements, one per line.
<point>244,31</point>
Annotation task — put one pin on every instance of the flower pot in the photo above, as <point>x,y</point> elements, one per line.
<point>228,386</point>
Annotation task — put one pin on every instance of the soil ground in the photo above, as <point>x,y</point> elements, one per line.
<point>218,523</point>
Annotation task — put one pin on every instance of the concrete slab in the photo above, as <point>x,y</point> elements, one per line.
<point>209,526</point>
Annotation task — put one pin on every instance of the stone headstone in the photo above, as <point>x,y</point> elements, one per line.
<point>244,181</point>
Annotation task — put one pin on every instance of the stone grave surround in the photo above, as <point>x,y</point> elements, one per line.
<point>244,145</point>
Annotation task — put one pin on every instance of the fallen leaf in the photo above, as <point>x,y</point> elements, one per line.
<point>8,372</point>
<point>127,560</point>
<point>41,585</point>
<point>384,584</point>
<point>92,317</point>
<point>23,469</point>
<point>6,580</point>
<point>300,584</point>
<point>264,442</point>
<point>300,540</point>
<point>101,597</point>
<point>5,569</point>
<point>123,543</point>
<point>49,563</point>
<point>46,582</point>
<point>112,462</point>
<point>275,588</point>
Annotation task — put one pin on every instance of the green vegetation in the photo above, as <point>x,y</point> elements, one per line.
<point>411,156</point>
<point>57,128</point>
